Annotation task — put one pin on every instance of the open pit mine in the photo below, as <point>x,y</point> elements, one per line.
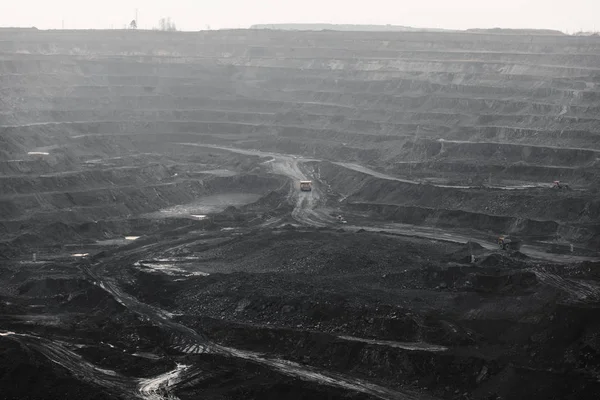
<point>272,214</point>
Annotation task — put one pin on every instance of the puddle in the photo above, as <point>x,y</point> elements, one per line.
<point>132,237</point>
<point>38,153</point>
<point>199,216</point>
<point>206,205</point>
<point>80,254</point>
<point>7,333</point>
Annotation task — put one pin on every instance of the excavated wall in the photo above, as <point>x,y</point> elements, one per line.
<point>458,108</point>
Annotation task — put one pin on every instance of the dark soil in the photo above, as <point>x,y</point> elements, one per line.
<point>154,241</point>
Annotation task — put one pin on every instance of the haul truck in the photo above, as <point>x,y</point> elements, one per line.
<point>509,243</point>
<point>306,186</point>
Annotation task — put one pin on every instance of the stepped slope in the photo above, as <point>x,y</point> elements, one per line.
<point>476,109</point>
<point>154,242</point>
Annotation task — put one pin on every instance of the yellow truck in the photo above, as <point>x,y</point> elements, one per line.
<point>509,243</point>
<point>306,186</point>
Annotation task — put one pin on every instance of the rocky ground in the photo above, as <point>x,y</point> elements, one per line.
<point>154,242</point>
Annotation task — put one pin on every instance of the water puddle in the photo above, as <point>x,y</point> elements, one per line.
<point>80,255</point>
<point>38,153</point>
<point>206,205</point>
<point>132,237</point>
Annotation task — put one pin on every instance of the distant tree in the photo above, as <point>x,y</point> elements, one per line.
<point>165,24</point>
<point>133,24</point>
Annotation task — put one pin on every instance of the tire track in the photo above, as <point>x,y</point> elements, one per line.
<point>189,341</point>
<point>579,291</point>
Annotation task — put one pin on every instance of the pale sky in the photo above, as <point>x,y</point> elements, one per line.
<point>572,15</point>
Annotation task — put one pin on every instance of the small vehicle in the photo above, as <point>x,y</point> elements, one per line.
<point>558,185</point>
<point>509,243</point>
<point>341,220</point>
<point>306,186</point>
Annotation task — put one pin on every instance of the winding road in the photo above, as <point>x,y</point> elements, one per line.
<point>307,211</point>
<point>105,275</point>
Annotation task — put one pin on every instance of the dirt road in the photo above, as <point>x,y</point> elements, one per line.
<point>368,171</point>
<point>533,251</point>
<point>307,205</point>
<point>61,354</point>
<point>104,275</point>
